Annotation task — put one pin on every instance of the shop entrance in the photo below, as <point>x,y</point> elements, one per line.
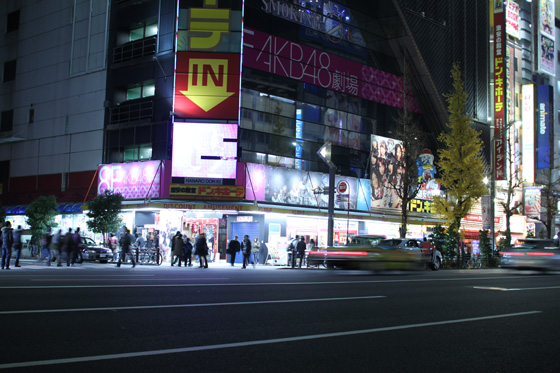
<point>242,229</point>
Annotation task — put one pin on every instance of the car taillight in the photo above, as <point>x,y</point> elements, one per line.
<point>539,254</point>
<point>316,252</point>
<point>513,254</point>
<point>346,252</point>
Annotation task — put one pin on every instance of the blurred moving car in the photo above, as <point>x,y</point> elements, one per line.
<point>91,251</point>
<point>364,252</point>
<point>412,244</point>
<point>532,253</point>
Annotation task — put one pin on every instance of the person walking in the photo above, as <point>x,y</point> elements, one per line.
<point>188,249</point>
<point>246,250</point>
<point>126,241</point>
<point>17,243</point>
<point>7,242</point>
<point>300,248</point>
<point>201,249</point>
<point>292,248</point>
<point>256,247</point>
<point>177,246</point>
<point>45,251</point>
<point>233,248</point>
<point>56,246</point>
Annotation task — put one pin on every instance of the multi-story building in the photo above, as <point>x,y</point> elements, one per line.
<point>207,115</point>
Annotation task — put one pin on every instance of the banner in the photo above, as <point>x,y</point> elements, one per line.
<point>499,90</point>
<point>544,126</point>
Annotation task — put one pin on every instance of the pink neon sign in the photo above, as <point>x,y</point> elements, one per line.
<point>132,180</point>
<point>282,57</point>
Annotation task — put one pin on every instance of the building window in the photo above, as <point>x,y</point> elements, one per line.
<point>31,115</point>
<point>9,71</point>
<point>141,90</point>
<point>138,153</point>
<point>12,23</point>
<point>7,121</point>
<point>143,32</point>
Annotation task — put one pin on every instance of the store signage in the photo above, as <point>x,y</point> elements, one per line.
<point>132,180</point>
<point>199,180</point>
<point>342,186</point>
<point>512,19</point>
<point>207,191</point>
<point>295,187</point>
<point>479,218</point>
<point>325,16</point>
<point>532,205</point>
<point>485,206</point>
<point>207,151</point>
<point>528,126</point>
<point>283,57</point>
<point>510,94</point>
<point>546,37</point>
<point>417,205</point>
<point>245,219</point>
<point>499,90</point>
<point>207,85</point>
<point>544,126</point>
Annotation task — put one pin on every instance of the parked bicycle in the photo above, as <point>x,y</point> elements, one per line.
<point>474,262</point>
<point>149,256</point>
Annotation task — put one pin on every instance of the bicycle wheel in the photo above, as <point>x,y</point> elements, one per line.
<point>143,258</point>
<point>159,259</point>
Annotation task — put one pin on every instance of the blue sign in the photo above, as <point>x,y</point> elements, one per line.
<point>544,127</point>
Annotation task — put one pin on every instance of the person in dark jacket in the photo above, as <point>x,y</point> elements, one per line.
<point>125,242</point>
<point>177,245</point>
<point>7,242</point>
<point>201,249</point>
<point>300,248</point>
<point>187,253</point>
<point>45,251</point>
<point>246,250</point>
<point>233,247</point>
<point>17,243</point>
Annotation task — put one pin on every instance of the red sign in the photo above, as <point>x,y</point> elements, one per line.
<point>499,90</point>
<point>342,186</point>
<point>207,85</point>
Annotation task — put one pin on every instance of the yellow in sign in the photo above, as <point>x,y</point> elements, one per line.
<point>207,82</point>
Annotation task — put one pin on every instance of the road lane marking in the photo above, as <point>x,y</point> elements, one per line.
<point>256,343</point>
<point>190,305</point>
<point>256,283</point>
<point>515,289</point>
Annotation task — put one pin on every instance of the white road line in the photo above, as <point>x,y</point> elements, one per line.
<point>515,289</point>
<point>437,279</point>
<point>189,305</point>
<point>256,343</point>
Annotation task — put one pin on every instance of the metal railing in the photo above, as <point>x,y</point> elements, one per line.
<point>129,112</point>
<point>134,49</point>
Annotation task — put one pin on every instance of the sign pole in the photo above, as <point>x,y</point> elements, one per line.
<point>325,154</point>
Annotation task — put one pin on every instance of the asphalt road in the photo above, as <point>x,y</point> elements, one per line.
<point>96,318</point>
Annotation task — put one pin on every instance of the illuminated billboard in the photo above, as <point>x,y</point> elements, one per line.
<point>499,90</point>
<point>204,150</point>
<point>512,19</point>
<point>546,37</point>
<point>544,127</point>
<point>132,180</point>
<point>207,65</point>
<point>528,127</point>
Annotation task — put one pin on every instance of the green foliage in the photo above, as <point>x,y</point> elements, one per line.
<point>104,213</point>
<point>530,235</point>
<point>450,242</point>
<point>438,237</point>
<point>40,215</point>
<point>542,233</point>
<point>461,165</point>
<point>484,243</point>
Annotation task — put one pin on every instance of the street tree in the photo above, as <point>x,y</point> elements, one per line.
<point>411,136</point>
<point>461,165</point>
<point>104,211</point>
<point>514,182</point>
<point>40,216</point>
<point>550,195</point>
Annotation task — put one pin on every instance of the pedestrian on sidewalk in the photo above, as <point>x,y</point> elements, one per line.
<point>126,241</point>
<point>7,242</point>
<point>233,248</point>
<point>56,246</point>
<point>300,248</point>
<point>188,249</point>
<point>246,250</point>
<point>177,246</point>
<point>256,247</point>
<point>17,243</point>
<point>45,251</point>
<point>201,249</point>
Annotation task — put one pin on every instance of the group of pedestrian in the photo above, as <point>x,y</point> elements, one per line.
<point>182,250</point>
<point>246,248</point>
<point>298,248</point>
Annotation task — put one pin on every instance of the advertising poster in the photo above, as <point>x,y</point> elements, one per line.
<point>132,180</point>
<point>528,126</point>
<point>533,202</point>
<point>512,19</point>
<point>387,157</point>
<point>296,187</point>
<point>544,125</point>
<point>546,36</point>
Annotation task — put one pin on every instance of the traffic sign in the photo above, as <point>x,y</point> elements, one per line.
<point>342,186</point>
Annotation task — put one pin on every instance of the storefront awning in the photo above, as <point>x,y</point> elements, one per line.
<point>65,208</point>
